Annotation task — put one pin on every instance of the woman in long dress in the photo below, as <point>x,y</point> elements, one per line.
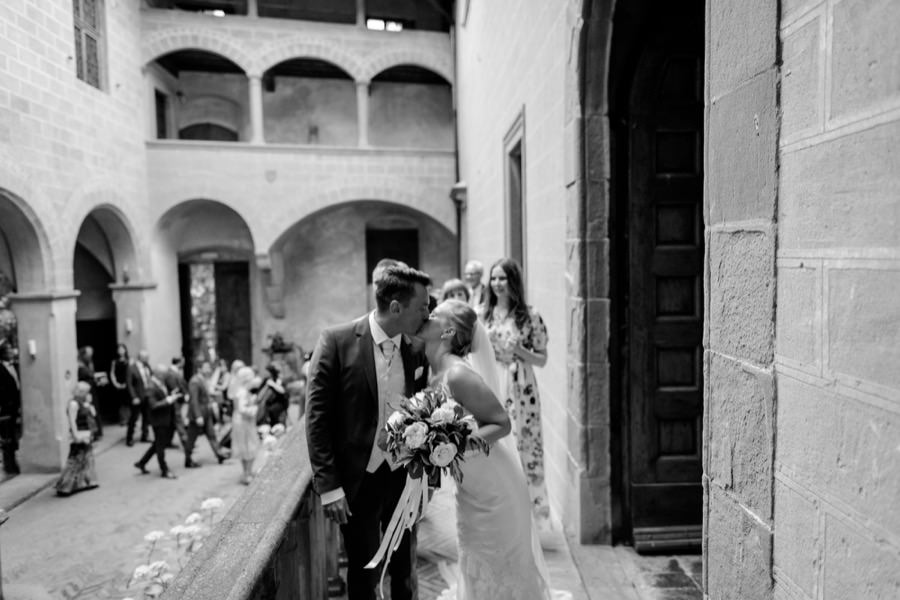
<point>244,435</point>
<point>79,473</point>
<point>519,338</point>
<point>499,552</point>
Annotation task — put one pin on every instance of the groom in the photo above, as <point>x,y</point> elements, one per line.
<point>358,371</point>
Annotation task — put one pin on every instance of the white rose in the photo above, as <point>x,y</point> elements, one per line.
<point>277,429</point>
<point>443,454</point>
<point>141,572</point>
<point>264,430</point>
<point>442,414</point>
<point>396,419</point>
<point>414,435</point>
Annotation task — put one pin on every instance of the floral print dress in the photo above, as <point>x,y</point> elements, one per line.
<point>519,389</point>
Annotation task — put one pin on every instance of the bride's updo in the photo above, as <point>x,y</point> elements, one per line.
<point>463,318</point>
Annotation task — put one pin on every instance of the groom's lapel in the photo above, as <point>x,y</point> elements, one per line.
<point>366,351</point>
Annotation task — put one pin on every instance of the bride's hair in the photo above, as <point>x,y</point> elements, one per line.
<point>463,319</point>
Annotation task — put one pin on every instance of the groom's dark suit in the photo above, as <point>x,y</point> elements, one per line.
<point>342,416</point>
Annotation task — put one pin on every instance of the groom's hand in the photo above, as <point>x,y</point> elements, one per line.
<point>338,511</point>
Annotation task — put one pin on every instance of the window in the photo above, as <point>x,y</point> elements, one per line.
<point>88,18</point>
<point>514,162</point>
<point>162,115</point>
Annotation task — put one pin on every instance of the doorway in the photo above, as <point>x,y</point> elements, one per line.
<point>215,311</point>
<point>656,230</point>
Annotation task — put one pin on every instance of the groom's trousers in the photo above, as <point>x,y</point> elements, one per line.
<point>371,510</point>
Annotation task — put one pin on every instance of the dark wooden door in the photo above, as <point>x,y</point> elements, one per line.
<point>399,244</point>
<point>233,310</point>
<point>665,300</point>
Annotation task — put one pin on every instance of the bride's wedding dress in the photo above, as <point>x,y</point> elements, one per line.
<point>500,556</point>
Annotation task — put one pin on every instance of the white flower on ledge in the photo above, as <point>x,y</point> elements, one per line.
<point>154,536</point>
<point>193,518</point>
<point>212,504</point>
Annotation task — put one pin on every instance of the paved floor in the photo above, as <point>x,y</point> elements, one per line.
<point>86,546</point>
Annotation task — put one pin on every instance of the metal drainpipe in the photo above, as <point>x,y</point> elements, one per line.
<point>457,201</point>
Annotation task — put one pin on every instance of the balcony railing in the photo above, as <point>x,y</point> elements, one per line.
<point>274,543</point>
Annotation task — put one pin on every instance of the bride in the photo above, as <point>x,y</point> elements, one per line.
<point>499,551</point>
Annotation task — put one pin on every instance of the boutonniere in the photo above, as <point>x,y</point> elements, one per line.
<point>418,373</point>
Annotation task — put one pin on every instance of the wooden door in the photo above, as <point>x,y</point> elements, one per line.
<point>665,300</point>
<point>399,244</point>
<point>233,311</point>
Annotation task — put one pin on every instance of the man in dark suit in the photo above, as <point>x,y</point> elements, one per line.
<point>358,372</point>
<point>162,419</point>
<point>10,407</point>
<point>137,382</point>
<point>175,382</point>
<point>200,416</point>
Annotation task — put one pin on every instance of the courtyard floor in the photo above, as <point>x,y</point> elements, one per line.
<point>87,546</point>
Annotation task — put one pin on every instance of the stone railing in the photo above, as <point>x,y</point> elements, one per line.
<point>274,543</point>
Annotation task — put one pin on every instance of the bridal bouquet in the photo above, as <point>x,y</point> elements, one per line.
<point>429,432</point>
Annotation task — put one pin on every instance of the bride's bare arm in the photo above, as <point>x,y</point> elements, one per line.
<point>471,392</point>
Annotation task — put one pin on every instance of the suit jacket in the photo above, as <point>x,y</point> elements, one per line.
<point>342,403</point>
<point>162,414</point>
<point>10,393</point>
<point>198,400</point>
<point>134,382</point>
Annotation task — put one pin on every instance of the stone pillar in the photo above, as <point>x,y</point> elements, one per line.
<point>361,13</point>
<point>256,110</point>
<point>252,8</point>
<point>48,369</point>
<point>362,113</point>
<point>131,314</point>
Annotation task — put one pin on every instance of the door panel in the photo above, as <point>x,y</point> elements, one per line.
<point>665,303</point>
<point>233,310</point>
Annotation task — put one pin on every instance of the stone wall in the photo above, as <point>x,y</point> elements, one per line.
<point>837,348</point>
<point>520,59</point>
<point>740,200</point>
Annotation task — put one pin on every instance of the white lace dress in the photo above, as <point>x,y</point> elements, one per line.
<point>500,557</point>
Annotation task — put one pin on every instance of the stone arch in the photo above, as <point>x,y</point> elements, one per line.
<point>431,61</point>
<point>277,52</point>
<point>173,40</point>
<point>103,206</point>
<point>427,200</point>
<point>25,240</point>
<point>175,218</point>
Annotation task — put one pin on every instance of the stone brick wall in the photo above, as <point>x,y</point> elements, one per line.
<point>66,146</point>
<point>837,350</point>
<point>742,77</point>
<point>519,57</point>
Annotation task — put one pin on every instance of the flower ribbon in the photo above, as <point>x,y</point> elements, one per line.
<point>412,504</point>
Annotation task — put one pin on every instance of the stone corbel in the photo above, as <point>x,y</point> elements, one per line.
<point>271,271</point>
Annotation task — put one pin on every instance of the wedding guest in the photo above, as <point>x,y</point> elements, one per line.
<point>10,407</point>
<point>162,419</point>
<point>519,338</point>
<point>176,384</point>
<point>244,436</point>
<point>87,375</point>
<point>138,382</point>
<point>272,399</point>
<point>472,275</point>
<point>231,389</point>
<point>455,289</point>
<point>218,383</point>
<point>200,416</point>
<point>118,377</point>
<point>79,473</point>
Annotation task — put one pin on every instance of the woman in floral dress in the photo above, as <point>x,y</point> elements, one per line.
<point>519,338</point>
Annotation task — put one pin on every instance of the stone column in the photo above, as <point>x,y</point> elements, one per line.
<point>252,8</point>
<point>131,314</point>
<point>361,13</point>
<point>48,371</point>
<point>362,113</point>
<point>256,110</point>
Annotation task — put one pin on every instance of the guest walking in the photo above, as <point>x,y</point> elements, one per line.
<point>10,407</point>
<point>118,376</point>
<point>79,473</point>
<point>200,416</point>
<point>175,384</point>
<point>138,382</point>
<point>519,338</point>
<point>162,419</point>
<point>87,375</point>
<point>244,436</point>
<point>218,384</point>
